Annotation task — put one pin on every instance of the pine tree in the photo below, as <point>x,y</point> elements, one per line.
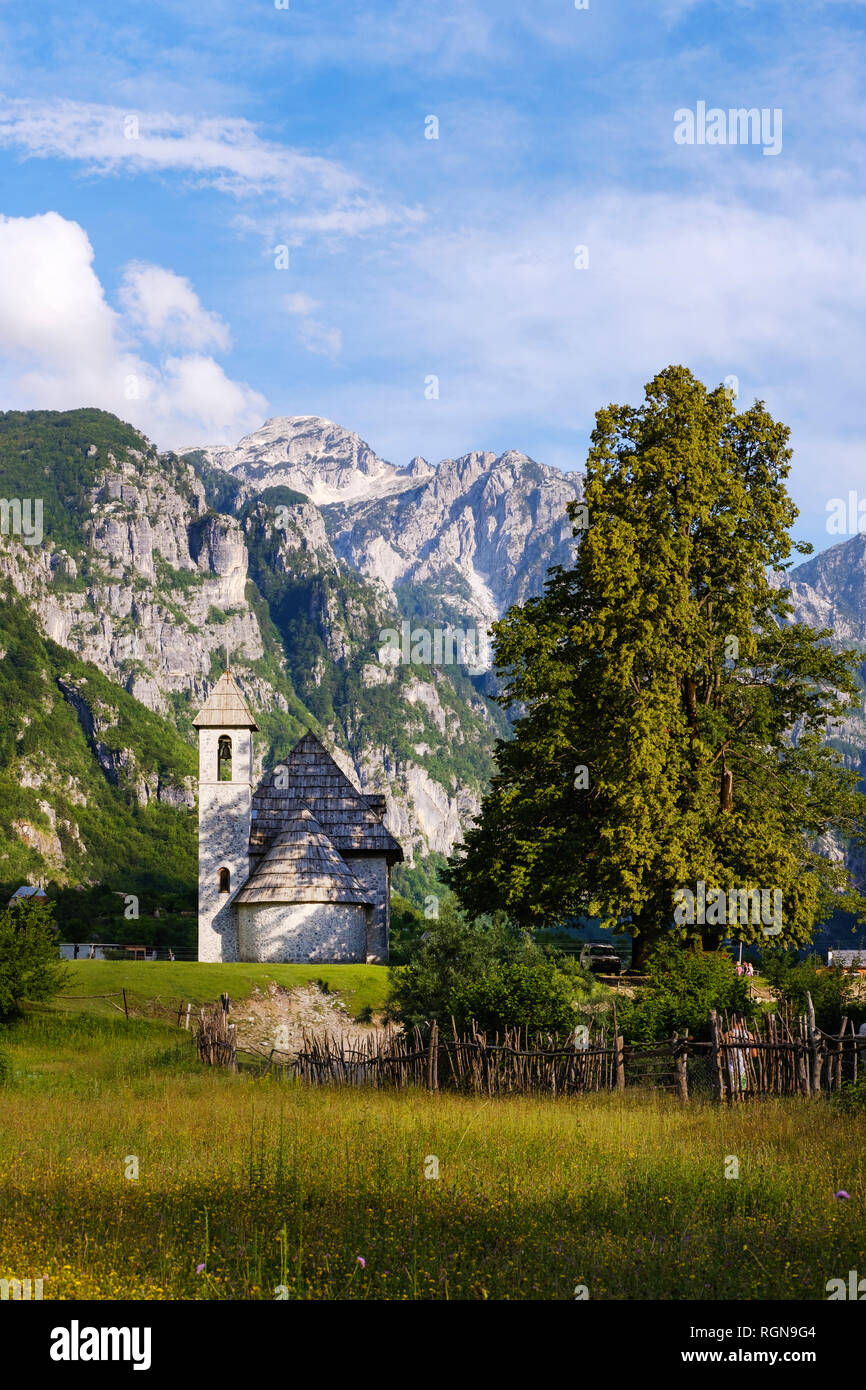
<point>672,719</point>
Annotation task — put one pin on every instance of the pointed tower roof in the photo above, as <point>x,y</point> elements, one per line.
<point>351,820</point>
<point>225,707</point>
<point>302,866</point>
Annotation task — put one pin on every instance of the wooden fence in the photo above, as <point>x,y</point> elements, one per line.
<point>782,1054</point>
<point>778,1056</point>
<point>215,1037</point>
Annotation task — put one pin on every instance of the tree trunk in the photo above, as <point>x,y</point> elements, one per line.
<point>726,790</point>
<point>643,943</point>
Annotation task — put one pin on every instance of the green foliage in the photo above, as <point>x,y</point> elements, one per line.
<point>29,964</point>
<point>408,926</point>
<point>684,987</point>
<point>221,489</point>
<point>422,880</point>
<point>664,664</point>
<point>462,965</point>
<point>44,454</point>
<point>138,849</point>
<point>98,913</point>
<point>851,1098</point>
<point>833,992</point>
<point>514,993</point>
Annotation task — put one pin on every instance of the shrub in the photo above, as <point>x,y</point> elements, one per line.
<point>851,1099</point>
<point>531,994</point>
<point>484,969</point>
<point>685,986</point>
<point>408,925</point>
<point>30,967</point>
<point>833,992</point>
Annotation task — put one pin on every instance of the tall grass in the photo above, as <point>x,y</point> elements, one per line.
<point>248,1185</point>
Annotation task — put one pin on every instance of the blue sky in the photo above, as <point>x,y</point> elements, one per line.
<point>152,157</point>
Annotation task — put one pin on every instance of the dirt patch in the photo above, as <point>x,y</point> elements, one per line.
<point>277,1017</point>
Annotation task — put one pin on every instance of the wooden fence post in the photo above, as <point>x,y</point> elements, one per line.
<point>718,1073</point>
<point>620,1063</point>
<point>432,1078</point>
<point>802,1066</point>
<point>681,1066</point>
<point>125,1006</point>
<point>838,1059</point>
<point>813,1045</point>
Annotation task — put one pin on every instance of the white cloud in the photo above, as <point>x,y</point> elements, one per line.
<point>299,304</point>
<point>167,310</point>
<point>195,398</point>
<point>527,347</point>
<point>318,338</point>
<point>225,153</point>
<point>62,345</point>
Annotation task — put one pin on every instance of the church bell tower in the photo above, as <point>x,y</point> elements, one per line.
<point>225,789</point>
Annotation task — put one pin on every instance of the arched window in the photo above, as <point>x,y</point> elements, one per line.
<point>224,759</point>
<point>225,881</point>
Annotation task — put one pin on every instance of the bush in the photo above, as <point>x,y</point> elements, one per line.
<point>833,992</point>
<point>484,969</point>
<point>530,994</point>
<point>30,966</point>
<point>685,986</point>
<point>408,926</point>
<point>851,1099</point>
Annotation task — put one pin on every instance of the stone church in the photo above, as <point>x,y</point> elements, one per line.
<point>296,869</point>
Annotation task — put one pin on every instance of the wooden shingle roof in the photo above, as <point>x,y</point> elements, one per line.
<point>225,707</point>
<point>302,866</point>
<point>351,820</point>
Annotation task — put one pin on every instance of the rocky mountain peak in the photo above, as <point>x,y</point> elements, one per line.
<point>315,456</point>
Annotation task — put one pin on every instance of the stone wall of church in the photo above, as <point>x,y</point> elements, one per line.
<point>327,933</point>
<point>372,870</point>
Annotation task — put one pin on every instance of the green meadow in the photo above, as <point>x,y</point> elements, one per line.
<point>359,986</point>
<point>248,1186</point>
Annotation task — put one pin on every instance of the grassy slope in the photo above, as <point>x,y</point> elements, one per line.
<point>198,983</point>
<point>267,1183</point>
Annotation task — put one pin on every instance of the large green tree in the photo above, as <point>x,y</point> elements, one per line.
<point>671,718</point>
